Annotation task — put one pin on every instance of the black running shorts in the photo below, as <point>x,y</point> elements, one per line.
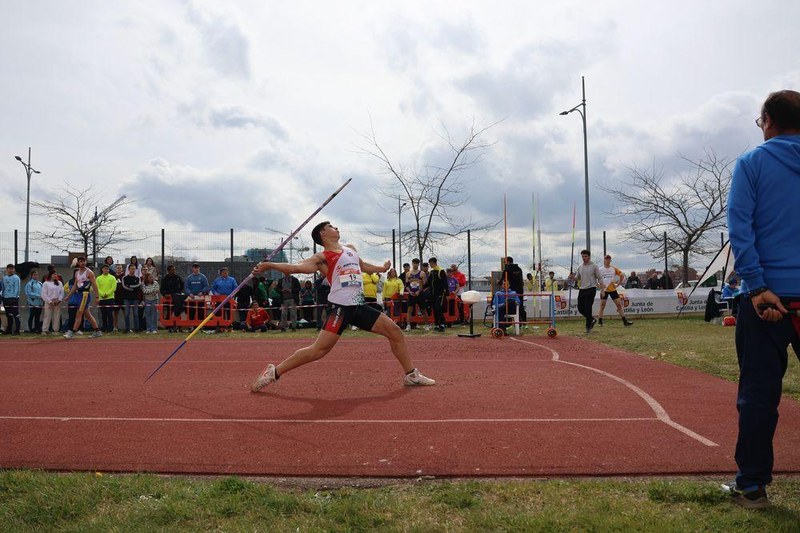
<point>614,295</point>
<point>341,316</point>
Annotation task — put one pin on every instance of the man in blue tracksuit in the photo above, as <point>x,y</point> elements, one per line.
<point>764,228</point>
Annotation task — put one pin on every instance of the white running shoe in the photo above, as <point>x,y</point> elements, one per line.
<point>68,334</point>
<point>96,334</point>
<point>408,327</point>
<point>266,377</point>
<point>427,327</point>
<point>414,378</point>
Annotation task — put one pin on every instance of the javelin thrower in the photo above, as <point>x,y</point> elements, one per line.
<point>343,268</point>
<point>248,278</point>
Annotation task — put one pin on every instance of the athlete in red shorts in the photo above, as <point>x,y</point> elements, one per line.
<point>343,268</point>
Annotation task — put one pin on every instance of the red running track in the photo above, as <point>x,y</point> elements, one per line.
<point>527,406</point>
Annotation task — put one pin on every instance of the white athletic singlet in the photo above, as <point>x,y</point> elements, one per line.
<point>82,279</point>
<point>344,275</point>
<point>608,276</point>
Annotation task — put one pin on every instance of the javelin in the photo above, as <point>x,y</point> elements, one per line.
<point>249,277</point>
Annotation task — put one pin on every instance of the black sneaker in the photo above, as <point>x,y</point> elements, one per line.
<point>594,321</point>
<point>627,322</point>
<point>754,497</point>
<point>600,321</point>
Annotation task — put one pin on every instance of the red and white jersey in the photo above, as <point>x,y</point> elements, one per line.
<point>344,275</point>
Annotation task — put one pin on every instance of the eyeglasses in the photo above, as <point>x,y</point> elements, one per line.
<point>760,122</point>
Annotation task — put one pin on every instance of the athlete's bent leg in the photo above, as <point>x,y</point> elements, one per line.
<point>385,326</point>
<point>325,341</point>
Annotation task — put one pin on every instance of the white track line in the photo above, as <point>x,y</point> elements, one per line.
<point>324,421</point>
<point>657,408</point>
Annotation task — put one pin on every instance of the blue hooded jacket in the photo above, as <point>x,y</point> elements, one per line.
<point>763,216</point>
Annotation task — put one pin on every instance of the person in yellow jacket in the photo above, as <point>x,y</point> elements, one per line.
<point>106,287</point>
<point>393,292</point>
<point>371,289</point>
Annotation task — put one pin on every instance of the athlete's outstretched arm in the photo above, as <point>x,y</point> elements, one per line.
<point>374,269</point>
<point>308,266</point>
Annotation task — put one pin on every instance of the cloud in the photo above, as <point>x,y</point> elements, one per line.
<point>214,200</point>
<point>231,117</point>
<point>523,88</point>
<point>226,47</point>
<point>237,117</point>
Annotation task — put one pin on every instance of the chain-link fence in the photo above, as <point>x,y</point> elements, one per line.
<point>238,249</point>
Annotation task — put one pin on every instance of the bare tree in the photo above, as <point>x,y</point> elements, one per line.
<point>79,218</point>
<point>432,191</point>
<point>687,209</point>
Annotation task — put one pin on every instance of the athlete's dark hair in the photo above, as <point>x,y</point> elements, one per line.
<point>586,252</point>
<point>315,233</point>
<point>783,107</point>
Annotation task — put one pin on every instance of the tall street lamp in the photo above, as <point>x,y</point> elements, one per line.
<point>28,170</point>
<point>585,156</point>
<point>399,234</point>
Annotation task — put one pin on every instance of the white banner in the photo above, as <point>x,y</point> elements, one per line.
<point>635,302</point>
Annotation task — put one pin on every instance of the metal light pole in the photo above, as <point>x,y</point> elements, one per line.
<point>28,171</point>
<point>399,235</point>
<point>585,156</point>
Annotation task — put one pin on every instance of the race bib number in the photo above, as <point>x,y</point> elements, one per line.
<point>350,278</point>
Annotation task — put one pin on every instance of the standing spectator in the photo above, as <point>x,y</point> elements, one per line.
<point>52,294</point>
<point>404,273</point>
<point>290,296</point>
<point>611,277</point>
<point>513,273</point>
<point>392,292</point>
<point>765,191</point>
<point>84,282</point>
<point>307,300</point>
<point>11,288</point>
<point>590,280</point>
<point>151,296</point>
<point>110,262</point>
<point>550,283</point>
<point>131,290</point>
<point>452,289</point>
<point>172,288</point>
<point>119,295</point>
<point>437,283</point>
<point>257,318</point>
<point>106,287</point>
<point>322,288</point>
<point>530,283</point>
<point>652,282</point>
<point>462,286</point>
<point>196,287</point>
<point>415,281</point>
<point>33,293</point>
<point>633,281</point>
<point>244,298</point>
<point>665,282</point>
<point>149,267</point>
<point>261,294</point>
<point>371,289</point>
<point>136,267</point>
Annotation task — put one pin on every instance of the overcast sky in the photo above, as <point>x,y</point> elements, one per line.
<point>247,114</point>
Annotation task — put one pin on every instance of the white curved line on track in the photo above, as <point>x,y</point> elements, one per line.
<point>658,409</point>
